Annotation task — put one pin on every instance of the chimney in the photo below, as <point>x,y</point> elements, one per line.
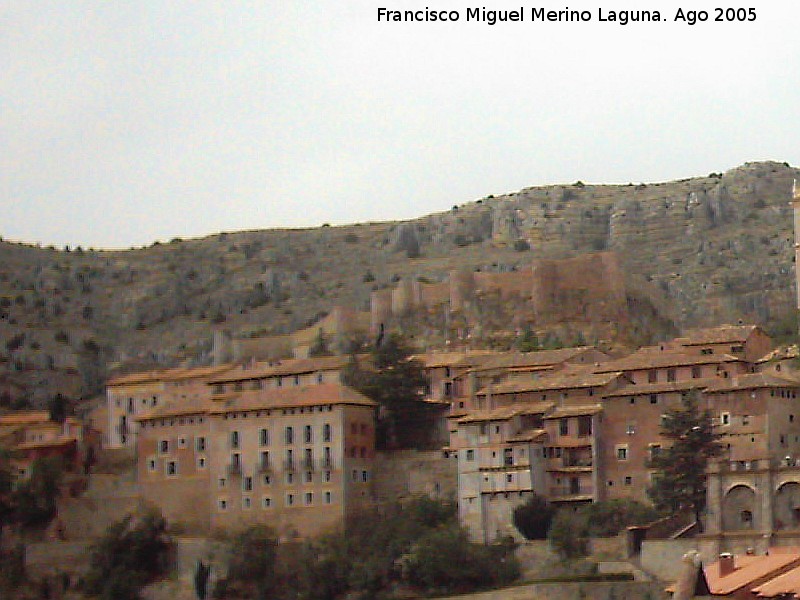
<point>726,564</point>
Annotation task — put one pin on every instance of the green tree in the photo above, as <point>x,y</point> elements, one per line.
<point>132,553</point>
<point>397,383</point>
<point>569,533</point>
<point>35,498</point>
<point>533,518</point>
<point>679,482</point>
<point>252,565</point>
<point>320,345</point>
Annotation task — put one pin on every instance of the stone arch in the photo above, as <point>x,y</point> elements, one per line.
<point>740,510</point>
<point>786,506</point>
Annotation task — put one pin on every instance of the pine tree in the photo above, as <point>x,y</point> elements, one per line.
<point>397,383</point>
<point>679,482</point>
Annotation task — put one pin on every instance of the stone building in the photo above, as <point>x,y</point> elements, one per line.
<point>130,396</point>
<point>295,458</point>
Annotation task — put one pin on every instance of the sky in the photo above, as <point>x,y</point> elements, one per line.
<point>123,123</point>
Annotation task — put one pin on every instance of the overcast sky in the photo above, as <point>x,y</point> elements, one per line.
<point>126,122</point>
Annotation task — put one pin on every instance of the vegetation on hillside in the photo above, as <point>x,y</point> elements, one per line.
<point>382,551</point>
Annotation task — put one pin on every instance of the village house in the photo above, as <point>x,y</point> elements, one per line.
<point>297,458</point>
<point>130,396</point>
<point>32,435</point>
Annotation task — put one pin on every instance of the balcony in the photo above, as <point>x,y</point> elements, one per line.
<point>234,468</point>
<point>571,492</point>
<point>326,463</point>
<point>308,464</point>
<point>264,467</point>
<point>288,465</point>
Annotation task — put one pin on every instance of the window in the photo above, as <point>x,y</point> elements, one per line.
<point>584,426</point>
<point>655,451</point>
<point>707,351</point>
<point>266,502</point>
<point>289,435</point>
<point>746,518</point>
<point>497,428</point>
<point>509,478</point>
<point>289,460</point>
<point>319,377</point>
<point>653,398</point>
<point>563,426</point>
<point>266,480</point>
<point>247,484</point>
<point>630,429</point>
<point>328,498</point>
<point>263,437</point>
<point>652,376</point>
<point>200,444</point>
<point>256,385</point>
<point>725,418</point>
<point>297,379</point>
<point>737,349</point>
<point>289,499</point>
<point>246,502</point>
<point>221,482</point>
<point>234,439</point>
<point>307,438</point>
<point>622,452</point>
<point>222,504</point>
<point>309,477</point>
<point>201,463</point>
<point>628,480</point>
<point>326,476</point>
<point>745,419</point>
<point>151,464</point>
<point>355,475</point>
<point>290,478</point>
<point>172,467</point>
<point>671,374</point>
<point>696,372</point>
<point>470,454</point>
<point>308,499</point>
<point>182,443</point>
<point>326,432</point>
<point>364,476</point>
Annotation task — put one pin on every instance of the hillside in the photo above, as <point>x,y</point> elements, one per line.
<point>703,251</point>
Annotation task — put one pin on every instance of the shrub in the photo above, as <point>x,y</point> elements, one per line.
<point>533,518</point>
<point>130,555</point>
<point>568,534</point>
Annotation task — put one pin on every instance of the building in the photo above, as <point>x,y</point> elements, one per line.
<point>130,396</point>
<point>296,458</point>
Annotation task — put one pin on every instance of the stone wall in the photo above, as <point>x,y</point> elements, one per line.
<point>409,473</point>
<point>662,558</point>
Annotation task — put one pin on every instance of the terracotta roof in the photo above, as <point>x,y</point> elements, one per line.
<point>24,418</point>
<point>751,381</point>
<point>309,395</point>
<point>542,358</point>
<point>529,435</point>
<point>556,381</point>
<point>788,583</point>
<point>175,374</point>
<point>290,366</point>
<point>721,334</point>
<point>750,569</point>
<point>660,388</point>
<point>454,359</point>
<point>653,358</point>
<point>177,408</point>
<point>61,441</point>
<point>781,353</point>
<point>575,411</point>
<point>507,412</point>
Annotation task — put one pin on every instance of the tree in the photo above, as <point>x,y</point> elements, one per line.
<point>132,553</point>
<point>533,518</point>
<point>679,482</point>
<point>569,533</point>
<point>35,498</point>
<point>252,565</point>
<point>320,345</point>
<point>397,383</point>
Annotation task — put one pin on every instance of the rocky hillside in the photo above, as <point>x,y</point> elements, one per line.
<point>708,250</point>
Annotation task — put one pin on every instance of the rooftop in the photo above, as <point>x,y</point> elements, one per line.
<point>722,334</point>
<point>555,381</point>
<point>750,569</point>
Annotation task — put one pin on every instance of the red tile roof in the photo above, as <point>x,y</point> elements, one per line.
<point>750,570</point>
